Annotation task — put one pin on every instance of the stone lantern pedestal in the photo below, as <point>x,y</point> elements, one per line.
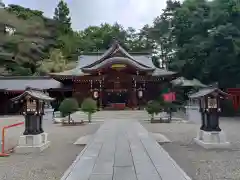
<point>34,139</point>
<point>212,139</point>
<point>32,143</point>
<point>210,136</point>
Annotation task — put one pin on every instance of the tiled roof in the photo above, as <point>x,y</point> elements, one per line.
<point>73,72</point>
<point>86,60</point>
<point>19,83</point>
<point>162,72</point>
<point>181,81</point>
<point>207,91</point>
<point>35,94</point>
<point>119,60</point>
<point>94,61</point>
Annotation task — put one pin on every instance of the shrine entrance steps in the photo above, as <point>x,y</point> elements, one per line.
<point>123,150</point>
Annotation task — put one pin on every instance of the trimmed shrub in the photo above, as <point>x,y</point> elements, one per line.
<point>153,107</point>
<point>89,106</point>
<point>68,106</point>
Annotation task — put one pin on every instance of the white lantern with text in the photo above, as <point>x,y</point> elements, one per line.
<point>140,94</point>
<point>95,94</point>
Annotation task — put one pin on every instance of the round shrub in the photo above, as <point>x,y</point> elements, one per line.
<point>68,106</point>
<point>89,106</point>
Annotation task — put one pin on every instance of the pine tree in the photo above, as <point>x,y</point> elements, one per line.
<point>61,15</point>
<point>2,5</point>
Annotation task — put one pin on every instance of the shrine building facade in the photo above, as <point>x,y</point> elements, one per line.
<point>115,79</point>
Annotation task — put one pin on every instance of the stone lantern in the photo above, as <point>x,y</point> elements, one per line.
<point>34,139</point>
<point>210,134</point>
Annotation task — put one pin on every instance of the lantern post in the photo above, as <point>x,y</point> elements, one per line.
<point>210,134</point>
<point>34,139</point>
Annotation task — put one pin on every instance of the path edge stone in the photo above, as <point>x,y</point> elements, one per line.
<point>71,167</point>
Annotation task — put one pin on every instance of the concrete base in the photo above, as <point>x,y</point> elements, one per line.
<point>83,140</point>
<point>32,143</point>
<point>212,140</point>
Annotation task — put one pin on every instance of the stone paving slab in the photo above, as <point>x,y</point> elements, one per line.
<point>124,150</point>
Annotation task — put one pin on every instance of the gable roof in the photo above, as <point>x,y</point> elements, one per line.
<point>87,62</point>
<point>118,60</point>
<point>93,61</point>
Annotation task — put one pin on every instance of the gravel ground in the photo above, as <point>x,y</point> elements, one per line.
<point>52,162</point>
<point>198,163</point>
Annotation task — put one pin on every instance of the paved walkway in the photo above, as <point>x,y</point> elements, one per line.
<point>123,150</point>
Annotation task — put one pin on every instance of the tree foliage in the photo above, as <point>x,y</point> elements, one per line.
<point>204,38</point>
<point>26,46</point>
<point>153,107</point>
<point>55,63</point>
<point>61,15</point>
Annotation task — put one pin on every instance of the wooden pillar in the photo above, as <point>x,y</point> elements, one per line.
<point>144,98</point>
<point>91,88</point>
<point>101,93</point>
<point>134,95</point>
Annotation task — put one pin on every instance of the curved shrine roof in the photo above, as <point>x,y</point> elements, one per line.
<point>115,54</point>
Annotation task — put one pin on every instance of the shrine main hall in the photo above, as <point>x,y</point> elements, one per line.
<point>116,79</point>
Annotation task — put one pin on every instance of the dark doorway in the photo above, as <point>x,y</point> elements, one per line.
<point>115,98</point>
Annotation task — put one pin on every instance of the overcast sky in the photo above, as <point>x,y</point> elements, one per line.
<point>129,13</point>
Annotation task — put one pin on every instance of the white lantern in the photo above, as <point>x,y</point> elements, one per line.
<point>95,94</point>
<point>140,94</point>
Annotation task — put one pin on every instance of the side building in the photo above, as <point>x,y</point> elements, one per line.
<point>12,86</point>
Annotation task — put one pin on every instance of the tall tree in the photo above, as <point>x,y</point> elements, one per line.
<point>2,5</point>
<point>207,39</point>
<point>27,44</point>
<point>61,15</point>
<point>161,32</point>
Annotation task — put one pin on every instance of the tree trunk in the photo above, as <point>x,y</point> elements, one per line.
<point>69,118</point>
<point>152,117</point>
<point>170,116</point>
<point>89,117</point>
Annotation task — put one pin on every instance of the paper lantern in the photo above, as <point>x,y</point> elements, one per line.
<point>95,94</point>
<point>140,94</point>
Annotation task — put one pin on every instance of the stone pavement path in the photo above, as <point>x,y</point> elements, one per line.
<point>123,150</point>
